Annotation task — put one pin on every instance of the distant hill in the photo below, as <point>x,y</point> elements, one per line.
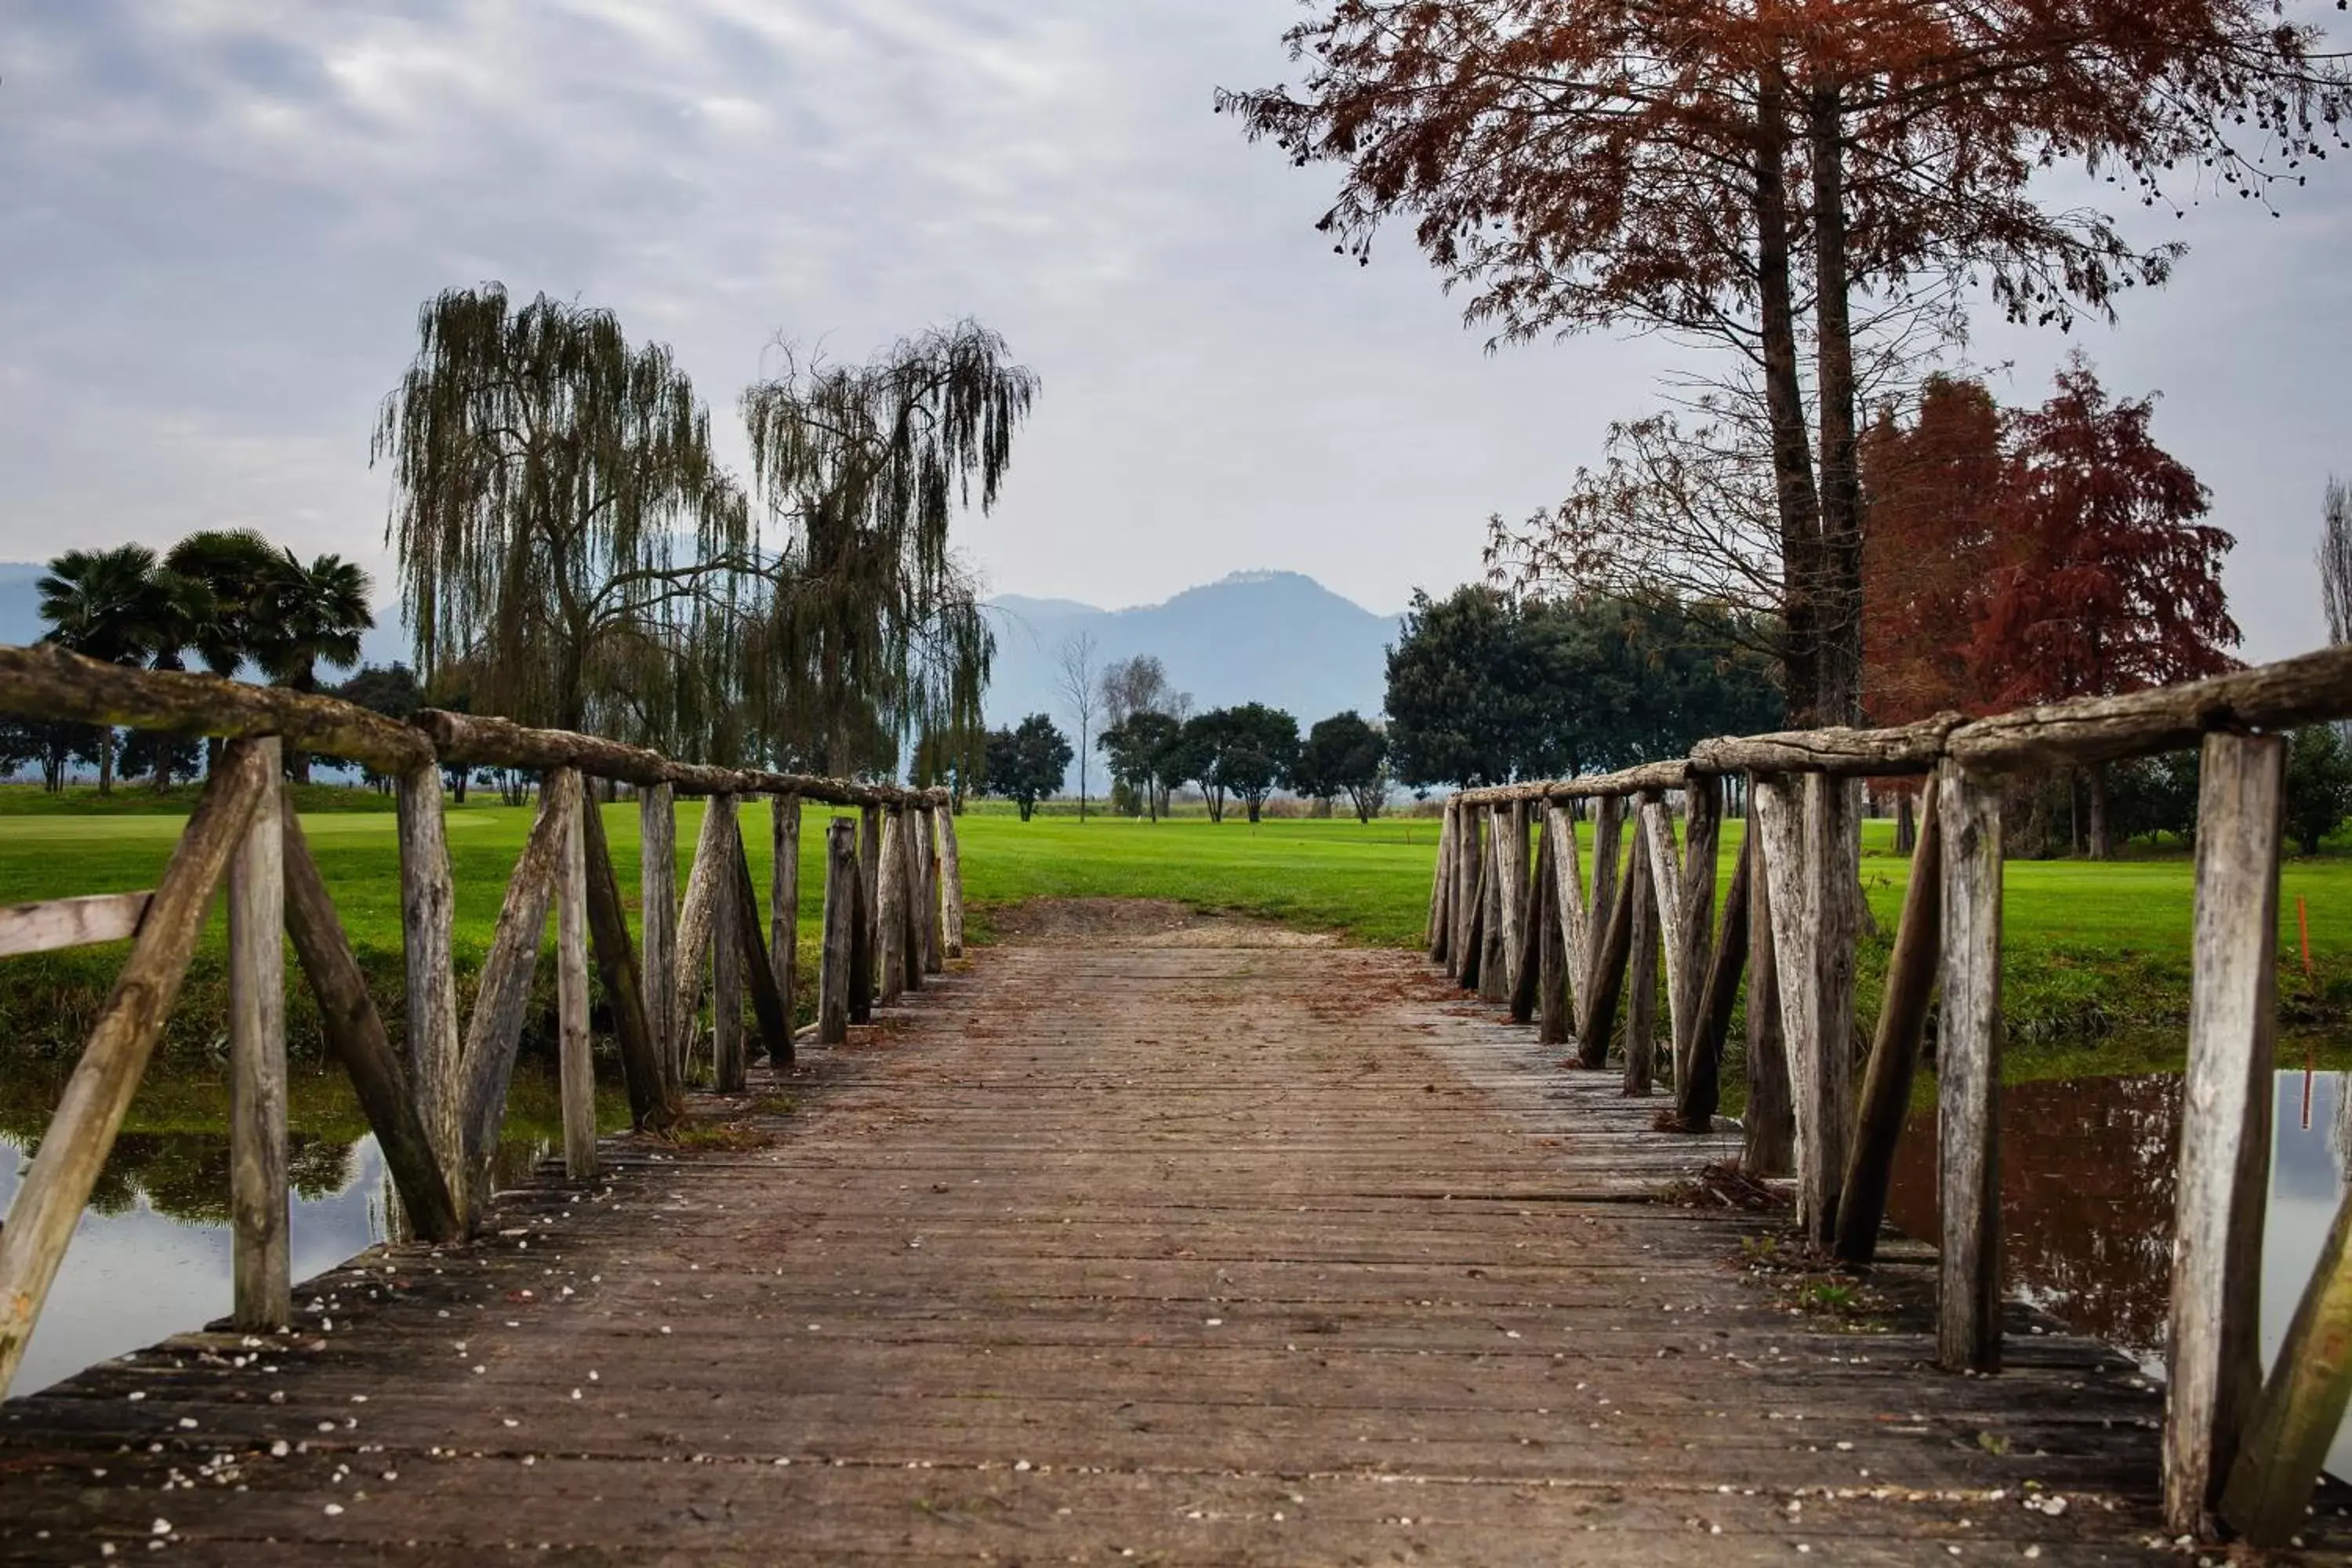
<point>1277,637</point>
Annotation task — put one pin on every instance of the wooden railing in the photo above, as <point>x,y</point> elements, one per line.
<point>2237,1448</point>
<point>893,913</point>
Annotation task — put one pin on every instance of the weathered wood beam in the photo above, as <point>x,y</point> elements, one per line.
<point>1641,975</point>
<point>49,682</point>
<point>657,904</point>
<point>1510,895</point>
<point>575,1063</point>
<point>81,1131</point>
<point>776,1025</point>
<point>427,917</point>
<point>868,972</point>
<point>950,887</point>
<point>1567,894</point>
<point>1554,1023</point>
<point>732,927</point>
<point>1798,820</point>
<point>1895,1050</point>
<point>1493,960</point>
<point>832,978</point>
<point>1597,1011</point>
<point>891,934</point>
<point>1769,1141</point>
<point>1608,839</point>
<point>1527,952</point>
<point>1464,902</point>
<point>502,1000</point>
<point>259,1211</point>
<point>1436,931</point>
<point>706,882</point>
<point>655,1102</point>
<point>2213,1367</point>
<point>58,924</point>
<point>785,913</point>
<point>1699,1088</point>
<point>1968,1075</point>
<point>910,845</point>
<point>935,938</point>
<point>357,1038</point>
<point>1474,930</point>
<point>1840,753</point>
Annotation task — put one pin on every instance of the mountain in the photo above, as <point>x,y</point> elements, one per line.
<point>1277,637</point>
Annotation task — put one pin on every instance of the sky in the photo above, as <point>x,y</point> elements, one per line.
<point>219,217</point>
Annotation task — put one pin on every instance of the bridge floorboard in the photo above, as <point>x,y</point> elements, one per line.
<point>1179,1243</point>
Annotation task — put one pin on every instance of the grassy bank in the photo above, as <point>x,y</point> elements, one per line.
<point>2097,976</point>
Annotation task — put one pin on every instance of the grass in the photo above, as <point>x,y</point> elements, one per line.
<point>2097,955</point>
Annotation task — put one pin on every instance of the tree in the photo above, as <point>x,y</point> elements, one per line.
<point>2336,561</point>
<point>1027,764</point>
<point>1073,664</point>
<point>545,474</point>
<point>869,612</point>
<point>1703,169</point>
<point>1248,751</point>
<point>2110,582</point>
<point>1345,755</point>
<point>112,605</point>
<point>1934,488</point>
<point>1132,686</point>
<point>2318,785</point>
<point>1144,753</point>
<point>239,572</point>
<point>1449,679</point>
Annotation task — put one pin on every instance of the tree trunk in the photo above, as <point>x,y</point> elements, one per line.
<point>2103,845</point>
<point>1838,599</point>
<point>106,762</point>
<point>1799,501</point>
<point>1907,823</point>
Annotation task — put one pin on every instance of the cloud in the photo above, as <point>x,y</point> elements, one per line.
<point>218,220</point>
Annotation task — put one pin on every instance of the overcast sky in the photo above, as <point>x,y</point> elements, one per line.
<point>221,217</point>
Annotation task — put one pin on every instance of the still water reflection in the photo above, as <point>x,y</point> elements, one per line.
<point>2086,1201</point>
<point>150,1257</point>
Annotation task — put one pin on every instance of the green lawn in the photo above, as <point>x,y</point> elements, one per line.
<point>2098,971</point>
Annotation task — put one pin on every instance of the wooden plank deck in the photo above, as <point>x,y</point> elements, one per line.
<point>1146,1239</point>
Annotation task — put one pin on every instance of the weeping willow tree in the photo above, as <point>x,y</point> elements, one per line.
<point>549,478</point>
<point>872,632</point>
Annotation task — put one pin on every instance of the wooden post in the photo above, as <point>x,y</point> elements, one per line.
<point>81,1131</point>
<point>256,1047</point>
<point>1608,835</point>
<point>1641,974</point>
<point>1967,1074</point>
<point>658,900</point>
<point>1597,1011</point>
<point>427,908</point>
<point>950,887</point>
<point>1528,956</point>
<point>1551,957</point>
<point>575,1066</point>
<point>1685,895</point>
<point>1465,901</point>
<point>356,1038</point>
<point>708,885</point>
<point>1493,952</point>
<point>1663,859</point>
<point>1568,897</point>
<point>731,924</point>
<point>1474,934</point>
<point>503,997</point>
<point>869,868</point>
<point>935,939</point>
<point>654,1099</point>
<point>1894,1052</point>
<point>914,881</point>
<point>1768,1148</point>
<point>2300,1407</point>
<point>890,956</point>
<point>776,1025</point>
<point>2212,1356</point>
<point>1804,824</point>
<point>784,906</point>
<point>833,977</point>
<point>1510,899</point>
<point>1441,884</point>
<point>1698,1088</point>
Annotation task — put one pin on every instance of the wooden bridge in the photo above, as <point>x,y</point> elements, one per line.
<point>1139,1236</point>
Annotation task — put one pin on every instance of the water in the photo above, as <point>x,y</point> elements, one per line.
<point>150,1255</point>
<point>2088,1168</point>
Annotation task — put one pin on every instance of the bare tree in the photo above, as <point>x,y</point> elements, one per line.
<point>2336,561</point>
<point>1132,686</point>
<point>1075,658</point>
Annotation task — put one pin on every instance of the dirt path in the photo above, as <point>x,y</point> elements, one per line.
<point>1148,1239</point>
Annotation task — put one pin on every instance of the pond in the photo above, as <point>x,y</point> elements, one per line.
<point>150,1255</point>
<point>2086,1201</point>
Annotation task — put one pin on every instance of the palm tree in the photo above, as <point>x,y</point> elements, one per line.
<point>237,568</point>
<point>313,613</point>
<point>105,605</point>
